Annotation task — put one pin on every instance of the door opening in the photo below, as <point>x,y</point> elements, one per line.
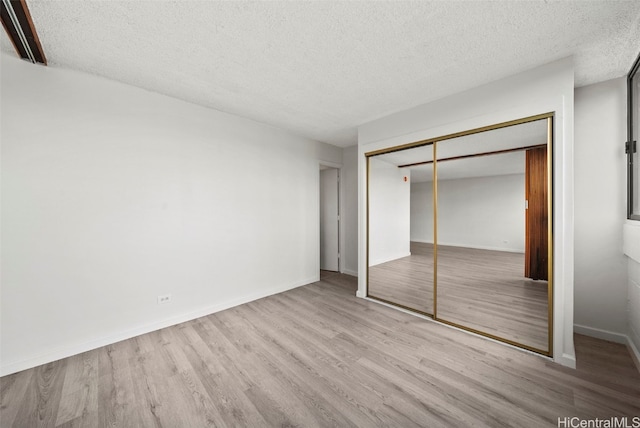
<point>329,219</point>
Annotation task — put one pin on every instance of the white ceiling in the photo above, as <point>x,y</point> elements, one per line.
<point>320,69</point>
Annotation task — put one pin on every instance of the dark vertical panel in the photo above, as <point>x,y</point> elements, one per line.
<point>11,31</point>
<point>537,217</point>
<point>26,24</point>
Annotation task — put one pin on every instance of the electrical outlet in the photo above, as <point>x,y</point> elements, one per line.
<point>164,299</point>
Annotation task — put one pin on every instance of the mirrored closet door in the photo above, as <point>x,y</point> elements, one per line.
<point>459,228</point>
<point>400,253</point>
<point>492,275</point>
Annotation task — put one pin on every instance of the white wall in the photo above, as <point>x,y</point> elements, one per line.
<point>600,208</point>
<point>350,209</point>
<point>389,222</point>
<point>480,212</point>
<point>632,250</point>
<point>422,212</point>
<point>548,88</point>
<point>113,195</point>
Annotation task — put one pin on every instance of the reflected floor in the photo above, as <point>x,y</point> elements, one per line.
<point>480,289</point>
<point>407,281</point>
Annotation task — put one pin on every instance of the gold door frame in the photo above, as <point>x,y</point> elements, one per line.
<point>434,141</point>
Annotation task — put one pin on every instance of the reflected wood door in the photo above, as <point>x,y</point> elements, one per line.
<point>537,215</point>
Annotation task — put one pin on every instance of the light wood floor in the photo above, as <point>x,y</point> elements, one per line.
<point>480,289</point>
<point>318,356</point>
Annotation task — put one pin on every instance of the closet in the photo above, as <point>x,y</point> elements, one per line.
<point>459,229</point>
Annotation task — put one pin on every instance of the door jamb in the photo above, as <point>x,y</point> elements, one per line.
<point>341,222</point>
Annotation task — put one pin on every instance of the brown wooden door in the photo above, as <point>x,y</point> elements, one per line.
<point>537,215</point>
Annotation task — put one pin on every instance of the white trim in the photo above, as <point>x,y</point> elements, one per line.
<point>388,259</point>
<point>631,239</point>
<point>68,351</point>
<point>601,334</point>
<point>566,360</point>
<point>350,272</point>
<point>483,247</point>
<point>476,247</point>
<point>611,337</point>
<point>329,164</point>
<point>341,196</point>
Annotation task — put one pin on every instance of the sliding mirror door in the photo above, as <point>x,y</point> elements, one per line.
<point>493,234</point>
<point>465,235</point>
<point>400,227</point>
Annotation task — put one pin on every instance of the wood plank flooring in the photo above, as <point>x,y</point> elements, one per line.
<point>317,356</point>
<point>480,289</point>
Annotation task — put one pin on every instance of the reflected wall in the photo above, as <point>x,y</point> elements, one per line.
<point>400,271</point>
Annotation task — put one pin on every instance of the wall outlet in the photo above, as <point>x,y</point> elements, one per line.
<point>164,299</point>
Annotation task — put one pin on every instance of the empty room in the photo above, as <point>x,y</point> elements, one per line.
<point>319,213</point>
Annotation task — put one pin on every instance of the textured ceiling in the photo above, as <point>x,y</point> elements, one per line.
<point>320,69</point>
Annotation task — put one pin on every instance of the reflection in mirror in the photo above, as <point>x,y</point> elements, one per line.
<point>400,268</point>
<point>492,233</point>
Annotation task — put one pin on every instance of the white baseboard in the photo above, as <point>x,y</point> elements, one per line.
<point>350,272</point>
<point>566,360</point>
<point>389,259</point>
<point>611,337</point>
<point>68,351</point>
<point>601,334</point>
<point>477,247</point>
<point>483,247</point>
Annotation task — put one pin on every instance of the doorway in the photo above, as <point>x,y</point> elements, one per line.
<point>329,218</point>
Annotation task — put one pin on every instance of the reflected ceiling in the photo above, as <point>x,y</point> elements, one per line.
<point>507,138</point>
<point>485,166</point>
